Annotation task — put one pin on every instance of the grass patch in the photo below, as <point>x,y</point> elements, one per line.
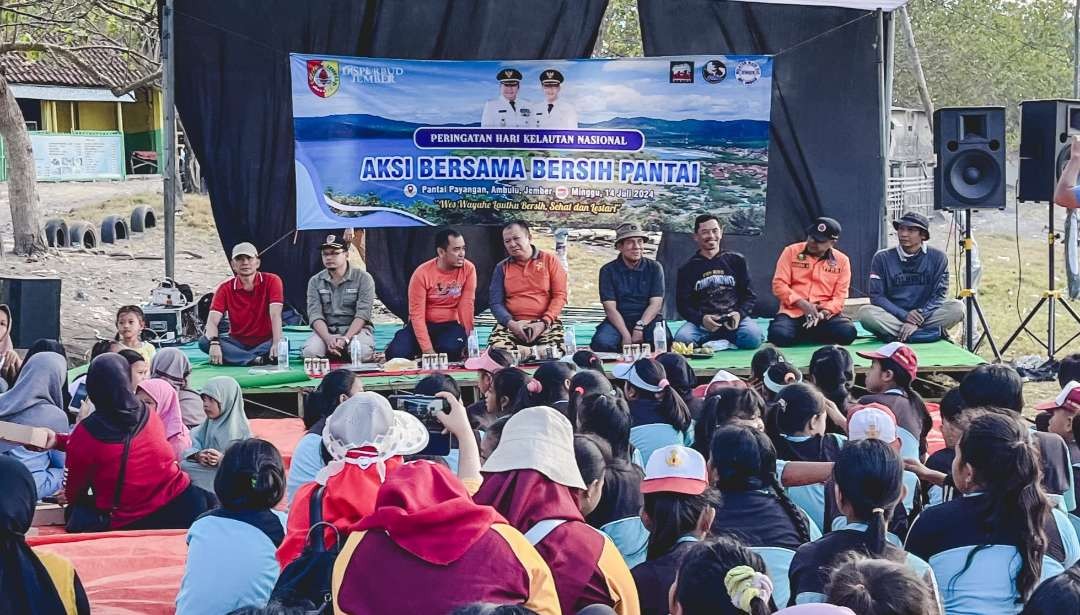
<point>196,213</point>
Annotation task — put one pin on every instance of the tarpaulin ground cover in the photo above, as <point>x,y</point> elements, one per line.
<point>124,573</point>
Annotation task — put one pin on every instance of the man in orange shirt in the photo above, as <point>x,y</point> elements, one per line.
<point>442,295</point>
<point>528,292</point>
<point>811,281</point>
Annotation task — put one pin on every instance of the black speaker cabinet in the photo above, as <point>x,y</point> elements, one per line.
<point>35,308</point>
<point>969,143</point>
<point>1045,128</point>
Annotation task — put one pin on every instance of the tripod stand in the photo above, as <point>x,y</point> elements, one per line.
<point>1050,298</point>
<point>967,294</point>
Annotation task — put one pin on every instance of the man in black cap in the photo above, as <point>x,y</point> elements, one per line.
<point>339,303</point>
<point>811,281</point>
<point>554,114</point>
<point>508,111</point>
<point>908,288</point>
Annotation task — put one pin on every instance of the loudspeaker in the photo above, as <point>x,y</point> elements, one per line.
<point>1045,128</point>
<point>969,143</point>
<point>35,308</point>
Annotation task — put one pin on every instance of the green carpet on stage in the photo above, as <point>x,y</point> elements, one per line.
<point>935,355</point>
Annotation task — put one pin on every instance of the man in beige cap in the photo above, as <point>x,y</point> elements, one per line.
<point>252,300</point>
<point>632,292</point>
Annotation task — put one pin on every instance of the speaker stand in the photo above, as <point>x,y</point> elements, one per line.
<point>1051,297</point>
<point>967,294</point>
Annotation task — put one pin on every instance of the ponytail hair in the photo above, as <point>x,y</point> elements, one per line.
<point>833,372</point>
<point>607,416</point>
<point>672,516</point>
<point>870,476</point>
<point>723,407</point>
<point>790,414</point>
<point>701,587</point>
<point>672,406</point>
<point>251,476</point>
<point>321,403</point>
<point>583,384</point>
<point>587,359</point>
<point>743,459</point>
<point>903,381</point>
<point>1007,469</point>
<point>680,375</point>
<point>551,379</point>
<point>513,384</point>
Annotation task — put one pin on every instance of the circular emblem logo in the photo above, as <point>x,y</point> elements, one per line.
<point>821,228</point>
<point>714,71</point>
<point>561,192</point>
<point>748,72</point>
<point>409,190</point>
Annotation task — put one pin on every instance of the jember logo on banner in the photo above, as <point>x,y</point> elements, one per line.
<point>323,77</point>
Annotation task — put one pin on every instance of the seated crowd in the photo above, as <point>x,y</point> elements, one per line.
<point>576,496</point>
<point>570,489</point>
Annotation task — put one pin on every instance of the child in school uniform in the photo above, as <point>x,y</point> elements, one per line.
<point>867,483</point>
<point>230,560</point>
<point>722,576</point>
<point>876,586</point>
<point>753,506</point>
<point>679,510</point>
<point>225,425</point>
<point>991,548</point>
<point>1062,421</point>
<point>796,423</point>
<point>661,416</point>
<point>894,368</point>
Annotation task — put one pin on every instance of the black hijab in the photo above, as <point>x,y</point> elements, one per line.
<point>25,584</point>
<point>118,413</point>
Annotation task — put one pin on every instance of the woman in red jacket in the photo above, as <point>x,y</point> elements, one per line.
<point>155,493</point>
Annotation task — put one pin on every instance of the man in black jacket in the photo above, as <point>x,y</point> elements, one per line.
<point>713,292</point>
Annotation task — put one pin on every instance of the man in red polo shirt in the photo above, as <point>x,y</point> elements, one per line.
<point>252,300</point>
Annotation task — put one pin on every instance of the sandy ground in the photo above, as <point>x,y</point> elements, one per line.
<point>94,283</point>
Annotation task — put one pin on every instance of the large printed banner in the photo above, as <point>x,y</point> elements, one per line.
<point>578,143</point>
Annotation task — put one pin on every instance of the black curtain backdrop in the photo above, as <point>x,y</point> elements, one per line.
<point>233,95</point>
<point>824,154</point>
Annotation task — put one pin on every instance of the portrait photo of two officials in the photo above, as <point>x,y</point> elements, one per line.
<point>511,111</point>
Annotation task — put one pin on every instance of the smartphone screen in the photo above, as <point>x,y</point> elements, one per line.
<point>78,398</point>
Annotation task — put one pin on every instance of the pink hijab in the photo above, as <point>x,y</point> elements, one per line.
<point>168,410</point>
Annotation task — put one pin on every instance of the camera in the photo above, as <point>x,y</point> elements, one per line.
<point>422,407</point>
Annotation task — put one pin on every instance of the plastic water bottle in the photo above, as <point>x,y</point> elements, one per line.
<point>474,345</point>
<point>659,338</point>
<point>283,354</point>
<point>355,353</point>
<point>569,340</point>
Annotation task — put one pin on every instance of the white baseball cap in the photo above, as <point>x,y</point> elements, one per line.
<point>245,248</point>
<point>1068,398</point>
<point>873,421</point>
<point>675,469</point>
<point>367,420</point>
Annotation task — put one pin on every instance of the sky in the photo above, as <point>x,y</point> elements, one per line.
<point>444,92</point>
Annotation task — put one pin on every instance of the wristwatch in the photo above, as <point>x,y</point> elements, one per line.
<point>639,325</point>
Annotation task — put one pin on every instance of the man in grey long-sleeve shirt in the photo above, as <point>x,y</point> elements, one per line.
<point>339,302</point>
<point>908,288</point>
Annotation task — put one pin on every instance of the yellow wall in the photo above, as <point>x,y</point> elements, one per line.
<point>96,116</point>
<point>142,115</point>
<point>61,116</point>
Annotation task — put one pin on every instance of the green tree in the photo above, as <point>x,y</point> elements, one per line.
<point>988,52</point>
<point>620,31</point>
<point>53,30</point>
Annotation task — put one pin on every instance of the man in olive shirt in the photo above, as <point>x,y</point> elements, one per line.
<point>339,301</point>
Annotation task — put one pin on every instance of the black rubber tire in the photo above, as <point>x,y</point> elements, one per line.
<point>82,235</point>
<point>56,233</point>
<point>142,218</point>
<point>114,228</point>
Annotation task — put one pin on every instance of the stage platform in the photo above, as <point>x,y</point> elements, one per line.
<point>938,357</point>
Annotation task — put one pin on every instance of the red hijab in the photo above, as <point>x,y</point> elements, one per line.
<point>426,511</point>
<point>526,497</point>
